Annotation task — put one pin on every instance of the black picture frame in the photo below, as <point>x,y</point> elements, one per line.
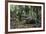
<point>6,15</point>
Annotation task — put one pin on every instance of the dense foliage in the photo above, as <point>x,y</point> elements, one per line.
<point>25,16</point>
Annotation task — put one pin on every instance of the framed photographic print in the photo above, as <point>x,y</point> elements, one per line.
<point>25,16</point>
